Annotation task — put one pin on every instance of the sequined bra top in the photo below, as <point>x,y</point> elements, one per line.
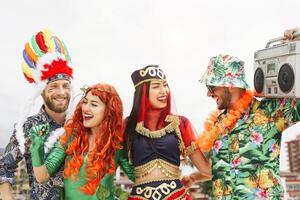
<point>146,149</point>
<point>158,149</point>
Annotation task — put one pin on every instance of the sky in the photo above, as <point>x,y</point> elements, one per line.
<point>109,39</point>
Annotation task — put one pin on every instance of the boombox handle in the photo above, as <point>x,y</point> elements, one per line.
<point>296,34</point>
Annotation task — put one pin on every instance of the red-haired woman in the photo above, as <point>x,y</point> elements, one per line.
<point>90,149</point>
<point>156,138</point>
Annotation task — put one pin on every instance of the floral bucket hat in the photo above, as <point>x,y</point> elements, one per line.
<point>225,71</point>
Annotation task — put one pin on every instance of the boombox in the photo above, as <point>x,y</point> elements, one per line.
<point>277,70</point>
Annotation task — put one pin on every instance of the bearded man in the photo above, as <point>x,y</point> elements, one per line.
<point>47,65</point>
<point>243,135</point>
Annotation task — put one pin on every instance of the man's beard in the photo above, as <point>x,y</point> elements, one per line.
<point>58,109</point>
<point>226,98</point>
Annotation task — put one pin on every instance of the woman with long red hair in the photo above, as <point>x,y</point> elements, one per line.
<point>91,147</point>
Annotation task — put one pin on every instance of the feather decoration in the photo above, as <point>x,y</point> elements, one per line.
<point>53,137</point>
<point>60,45</point>
<point>44,56</point>
<point>35,47</point>
<point>25,113</point>
<point>67,52</point>
<point>57,47</point>
<point>30,80</point>
<point>26,70</point>
<point>27,60</point>
<point>30,53</point>
<point>56,66</point>
<point>48,40</point>
<point>41,42</point>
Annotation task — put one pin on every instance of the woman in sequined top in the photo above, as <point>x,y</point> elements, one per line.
<point>156,139</point>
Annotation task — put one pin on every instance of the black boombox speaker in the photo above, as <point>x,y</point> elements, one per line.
<point>277,69</point>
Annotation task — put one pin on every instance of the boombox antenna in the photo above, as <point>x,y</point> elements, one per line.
<point>296,34</point>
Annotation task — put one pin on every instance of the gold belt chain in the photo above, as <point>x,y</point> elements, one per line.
<point>168,169</point>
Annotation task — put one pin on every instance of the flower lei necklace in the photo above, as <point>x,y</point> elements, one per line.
<point>213,128</point>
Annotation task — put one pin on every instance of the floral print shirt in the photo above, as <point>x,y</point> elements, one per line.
<point>246,159</point>
<point>50,190</point>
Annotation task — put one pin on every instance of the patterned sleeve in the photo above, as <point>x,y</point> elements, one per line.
<point>285,109</point>
<point>295,104</point>
<point>188,135</point>
<point>9,160</point>
<point>291,110</point>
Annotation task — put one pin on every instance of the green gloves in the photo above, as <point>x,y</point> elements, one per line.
<point>120,193</point>
<point>121,159</point>
<point>103,193</point>
<point>37,135</point>
<point>108,191</point>
<point>55,158</point>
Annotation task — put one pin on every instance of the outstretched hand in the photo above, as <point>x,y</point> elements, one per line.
<point>37,135</point>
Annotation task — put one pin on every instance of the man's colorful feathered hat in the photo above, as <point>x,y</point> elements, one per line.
<point>46,59</point>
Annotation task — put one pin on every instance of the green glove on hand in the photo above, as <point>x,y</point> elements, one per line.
<point>37,135</point>
<point>120,193</point>
<point>122,160</point>
<point>102,192</point>
<point>55,158</point>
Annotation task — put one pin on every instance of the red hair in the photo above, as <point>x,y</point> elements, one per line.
<point>145,106</point>
<point>101,159</point>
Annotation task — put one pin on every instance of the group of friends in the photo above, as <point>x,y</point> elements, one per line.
<point>74,155</point>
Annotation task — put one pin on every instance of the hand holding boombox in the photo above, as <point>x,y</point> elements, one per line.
<point>277,67</point>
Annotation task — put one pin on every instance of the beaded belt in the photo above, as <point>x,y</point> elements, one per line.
<point>168,169</point>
